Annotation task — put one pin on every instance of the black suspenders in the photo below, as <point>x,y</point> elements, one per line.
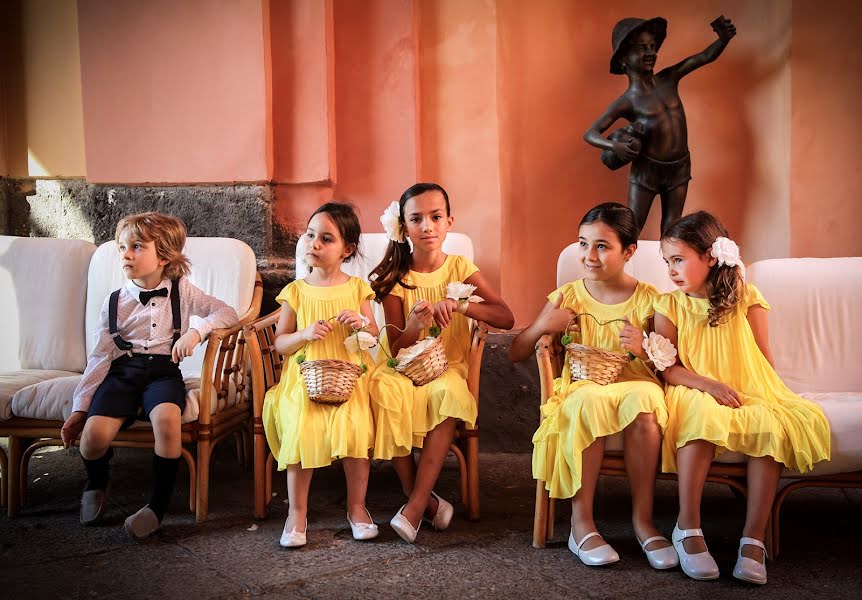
<point>112,316</point>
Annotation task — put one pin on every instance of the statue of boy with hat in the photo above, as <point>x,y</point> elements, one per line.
<point>656,140</point>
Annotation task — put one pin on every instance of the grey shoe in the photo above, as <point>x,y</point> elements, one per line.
<point>93,503</point>
<point>142,524</point>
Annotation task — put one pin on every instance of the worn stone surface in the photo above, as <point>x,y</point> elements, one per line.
<point>45,553</point>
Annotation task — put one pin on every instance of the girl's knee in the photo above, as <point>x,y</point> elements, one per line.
<point>645,424</point>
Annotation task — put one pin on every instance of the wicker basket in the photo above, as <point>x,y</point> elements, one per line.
<point>426,366</point>
<point>329,381</point>
<point>601,366</point>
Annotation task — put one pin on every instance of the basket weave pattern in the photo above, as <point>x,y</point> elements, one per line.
<point>426,366</point>
<point>329,381</point>
<point>601,366</point>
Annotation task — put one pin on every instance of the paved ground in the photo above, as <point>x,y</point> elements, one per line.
<point>44,553</point>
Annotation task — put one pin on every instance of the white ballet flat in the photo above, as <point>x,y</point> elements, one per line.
<point>699,566</point>
<point>363,531</point>
<point>748,569</point>
<point>293,538</point>
<point>403,527</point>
<point>444,514</point>
<point>662,558</point>
<point>603,555</point>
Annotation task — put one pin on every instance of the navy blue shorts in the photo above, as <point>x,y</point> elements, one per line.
<point>137,384</point>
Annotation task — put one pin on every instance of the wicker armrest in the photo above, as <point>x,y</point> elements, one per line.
<point>478,335</point>
<point>224,359</point>
<point>549,358</point>
<point>265,361</point>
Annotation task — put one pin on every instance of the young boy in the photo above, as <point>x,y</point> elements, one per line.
<point>662,166</point>
<point>133,370</point>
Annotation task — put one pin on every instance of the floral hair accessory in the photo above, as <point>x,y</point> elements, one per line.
<point>391,221</point>
<point>462,292</point>
<point>726,252</point>
<point>659,350</point>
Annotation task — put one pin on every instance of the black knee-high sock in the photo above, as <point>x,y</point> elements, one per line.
<point>164,476</point>
<point>98,471</point>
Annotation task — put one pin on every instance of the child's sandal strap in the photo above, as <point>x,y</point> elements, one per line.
<point>748,541</point>
<point>586,537</point>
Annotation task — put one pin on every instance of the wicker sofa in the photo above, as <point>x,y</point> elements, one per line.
<point>51,293</point>
<point>814,323</point>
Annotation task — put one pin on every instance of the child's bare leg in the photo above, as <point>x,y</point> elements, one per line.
<point>672,202</point>
<point>692,461</point>
<point>298,484</point>
<point>763,474</point>
<point>434,451</point>
<point>405,467</point>
<point>583,521</point>
<point>97,436</point>
<point>166,421</point>
<point>356,473</point>
<point>640,201</point>
<point>641,448</point>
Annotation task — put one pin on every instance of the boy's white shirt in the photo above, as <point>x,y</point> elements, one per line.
<point>148,328</point>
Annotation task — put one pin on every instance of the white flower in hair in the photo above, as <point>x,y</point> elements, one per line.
<point>361,340</point>
<point>391,221</point>
<point>462,292</point>
<point>659,350</point>
<point>726,252</point>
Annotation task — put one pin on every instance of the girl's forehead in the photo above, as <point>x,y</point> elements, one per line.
<point>322,222</point>
<point>427,202</point>
<point>598,230</point>
<point>673,246</point>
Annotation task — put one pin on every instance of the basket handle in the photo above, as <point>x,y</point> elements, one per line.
<point>300,358</point>
<point>567,339</point>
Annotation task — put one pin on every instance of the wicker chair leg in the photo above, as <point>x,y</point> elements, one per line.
<point>4,478</point>
<point>247,447</point>
<point>193,478</point>
<point>473,477</point>
<point>204,454</point>
<point>540,516</point>
<point>267,496</point>
<point>14,467</point>
<point>463,475</point>
<point>261,464</point>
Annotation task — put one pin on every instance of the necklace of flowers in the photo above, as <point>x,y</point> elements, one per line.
<point>355,342</point>
<point>658,348</point>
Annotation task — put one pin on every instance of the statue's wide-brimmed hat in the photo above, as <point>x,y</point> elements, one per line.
<point>630,26</point>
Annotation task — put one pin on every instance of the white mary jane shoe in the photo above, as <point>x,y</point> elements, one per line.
<point>293,538</point>
<point>748,569</point>
<point>403,527</point>
<point>444,514</point>
<point>699,566</point>
<point>662,558</point>
<point>603,555</point>
<point>363,531</point>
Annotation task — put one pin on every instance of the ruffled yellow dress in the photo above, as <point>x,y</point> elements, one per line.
<point>581,411</point>
<point>772,421</point>
<point>405,413</point>
<point>303,432</point>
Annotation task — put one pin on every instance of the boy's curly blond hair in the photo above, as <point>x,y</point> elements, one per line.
<point>169,235</point>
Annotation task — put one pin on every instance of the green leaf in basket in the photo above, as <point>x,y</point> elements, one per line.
<point>391,363</point>
<point>300,358</point>
<point>434,331</point>
<point>364,367</point>
<point>631,356</point>
<point>566,340</point>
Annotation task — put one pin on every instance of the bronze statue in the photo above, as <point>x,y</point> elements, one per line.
<point>656,139</point>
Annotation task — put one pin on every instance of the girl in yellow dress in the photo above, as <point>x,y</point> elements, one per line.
<point>317,314</point>
<point>570,442</point>
<point>412,287</point>
<point>724,393</point>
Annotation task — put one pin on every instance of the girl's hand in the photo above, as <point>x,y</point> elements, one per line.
<point>631,339</point>
<point>723,394</point>
<point>444,310</point>
<point>421,317</point>
<point>316,331</point>
<point>185,345</point>
<point>350,318</point>
<point>557,319</point>
<point>73,427</point>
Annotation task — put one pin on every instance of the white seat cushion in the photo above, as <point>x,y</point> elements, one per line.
<point>646,265</point>
<point>43,286</point>
<point>13,381</point>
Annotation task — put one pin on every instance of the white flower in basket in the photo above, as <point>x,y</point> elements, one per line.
<point>391,221</point>
<point>405,355</point>
<point>462,292</point>
<point>360,340</point>
<point>659,350</point>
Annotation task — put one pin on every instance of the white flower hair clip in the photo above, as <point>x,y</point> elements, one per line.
<point>726,252</point>
<point>391,221</point>
<point>462,292</point>
<point>659,350</point>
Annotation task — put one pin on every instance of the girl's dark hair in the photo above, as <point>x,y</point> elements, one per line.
<point>616,216</point>
<point>724,284</point>
<point>396,261</point>
<point>344,217</point>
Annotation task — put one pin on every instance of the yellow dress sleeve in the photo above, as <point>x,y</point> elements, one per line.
<point>753,296</point>
<point>646,303</point>
<point>290,295</point>
<point>567,292</point>
<point>666,305</point>
<point>364,290</point>
<point>464,268</point>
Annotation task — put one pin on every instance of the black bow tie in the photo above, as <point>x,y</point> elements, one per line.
<point>145,296</point>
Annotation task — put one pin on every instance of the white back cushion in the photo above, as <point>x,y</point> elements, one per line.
<point>815,321</point>
<point>646,265</point>
<point>43,287</point>
<point>221,267</point>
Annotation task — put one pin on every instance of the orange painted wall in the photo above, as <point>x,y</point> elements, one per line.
<point>826,180</point>
<point>173,92</point>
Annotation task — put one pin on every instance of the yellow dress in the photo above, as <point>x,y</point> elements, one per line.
<point>772,421</point>
<point>405,413</point>
<point>581,411</point>
<point>303,432</point>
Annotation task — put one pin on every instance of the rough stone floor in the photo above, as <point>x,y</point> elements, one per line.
<point>44,553</point>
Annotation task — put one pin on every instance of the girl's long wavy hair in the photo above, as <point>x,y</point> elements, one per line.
<point>396,261</point>
<point>724,284</point>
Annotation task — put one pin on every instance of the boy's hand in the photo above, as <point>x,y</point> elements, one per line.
<point>421,317</point>
<point>350,318</point>
<point>724,28</point>
<point>444,310</point>
<point>557,320</point>
<point>72,427</point>
<point>316,331</point>
<point>185,345</point>
<point>624,150</point>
